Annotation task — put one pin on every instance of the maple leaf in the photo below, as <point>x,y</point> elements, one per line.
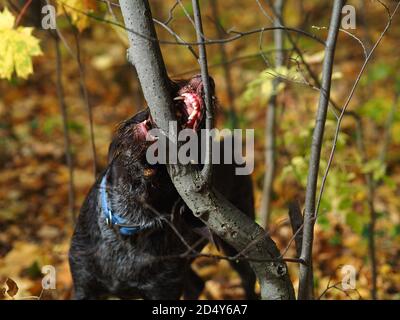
<point>17,47</point>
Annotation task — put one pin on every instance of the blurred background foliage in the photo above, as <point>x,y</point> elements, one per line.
<point>35,216</point>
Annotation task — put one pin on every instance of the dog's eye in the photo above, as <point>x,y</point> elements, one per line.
<point>148,172</point>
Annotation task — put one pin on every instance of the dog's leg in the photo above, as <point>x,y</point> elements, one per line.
<point>84,290</point>
<point>85,285</point>
<point>194,285</point>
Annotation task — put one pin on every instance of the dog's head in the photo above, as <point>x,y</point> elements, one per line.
<point>132,137</point>
<point>190,102</point>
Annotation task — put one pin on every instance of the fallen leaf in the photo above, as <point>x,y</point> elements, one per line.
<point>12,287</point>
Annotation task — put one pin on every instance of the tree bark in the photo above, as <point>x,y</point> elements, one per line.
<point>216,212</point>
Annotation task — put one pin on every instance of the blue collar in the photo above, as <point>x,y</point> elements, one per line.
<point>112,218</point>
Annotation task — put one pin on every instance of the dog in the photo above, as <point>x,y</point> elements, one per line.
<point>134,229</point>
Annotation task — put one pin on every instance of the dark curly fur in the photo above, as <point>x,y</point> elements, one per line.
<point>146,265</point>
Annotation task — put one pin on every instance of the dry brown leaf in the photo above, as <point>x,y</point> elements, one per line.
<point>12,287</point>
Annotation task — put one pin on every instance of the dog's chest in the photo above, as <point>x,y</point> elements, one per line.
<point>129,266</point>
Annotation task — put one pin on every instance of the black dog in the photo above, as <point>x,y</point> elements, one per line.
<point>133,226</point>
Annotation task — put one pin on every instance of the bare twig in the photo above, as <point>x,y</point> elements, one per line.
<point>177,37</point>
<point>85,96</point>
<point>171,12</point>
<point>207,169</point>
<point>192,253</point>
<point>23,10</point>
<point>330,286</point>
<point>188,16</point>
<point>237,34</point>
<point>67,139</point>
<point>228,62</point>
<point>226,68</point>
<point>270,123</point>
<point>160,23</point>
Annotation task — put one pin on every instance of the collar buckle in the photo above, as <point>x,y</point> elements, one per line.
<point>109,219</point>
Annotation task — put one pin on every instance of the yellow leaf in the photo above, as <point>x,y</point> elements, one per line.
<point>17,47</point>
<point>7,20</point>
<point>77,10</point>
<point>317,57</point>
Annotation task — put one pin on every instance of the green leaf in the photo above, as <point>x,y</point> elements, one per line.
<point>355,221</point>
<point>335,240</point>
<point>323,221</point>
<point>262,87</point>
<point>395,230</point>
<point>389,182</point>
<point>376,167</point>
<point>376,109</point>
<point>379,72</point>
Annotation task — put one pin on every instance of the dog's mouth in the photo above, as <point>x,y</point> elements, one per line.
<point>190,110</point>
<point>143,129</point>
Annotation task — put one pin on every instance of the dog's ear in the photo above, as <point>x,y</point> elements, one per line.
<point>129,138</point>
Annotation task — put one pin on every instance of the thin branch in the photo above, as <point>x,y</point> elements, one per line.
<point>270,123</point>
<point>346,104</point>
<point>309,220</point>
<point>67,139</point>
<point>22,13</point>
<point>207,169</point>
<point>76,56</point>
<point>237,34</point>
<point>85,96</point>
<point>228,62</point>
<point>177,37</point>
<point>162,24</point>
<point>192,253</point>
<point>351,35</point>
<point>297,50</point>
<point>171,12</point>
<point>226,68</point>
<point>188,16</point>
<point>84,92</point>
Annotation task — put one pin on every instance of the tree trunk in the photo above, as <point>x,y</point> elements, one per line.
<point>215,211</point>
